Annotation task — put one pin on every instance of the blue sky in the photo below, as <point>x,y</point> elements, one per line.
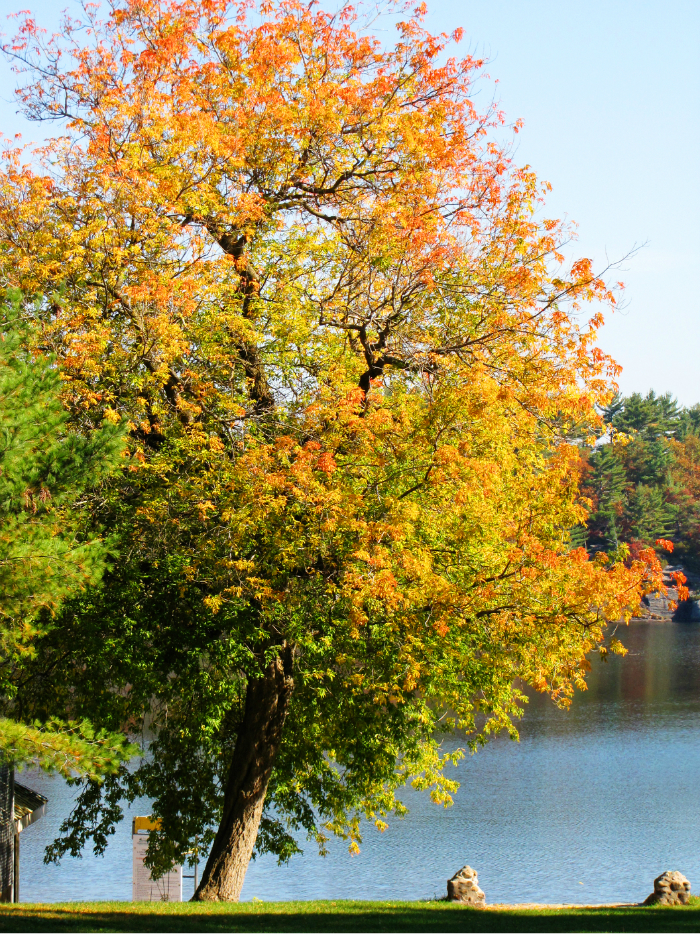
<point>610,94</point>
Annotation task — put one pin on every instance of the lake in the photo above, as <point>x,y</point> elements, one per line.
<point>588,807</point>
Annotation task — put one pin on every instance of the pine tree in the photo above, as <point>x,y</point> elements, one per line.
<point>649,489</point>
<point>649,515</point>
<point>615,405</point>
<point>652,416</point>
<point>650,423</point>
<point>607,485</point>
<point>44,469</point>
<point>688,423</point>
<point>48,550</point>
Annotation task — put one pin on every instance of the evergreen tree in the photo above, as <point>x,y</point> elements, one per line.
<point>578,536</point>
<point>607,487</point>
<point>648,488</point>
<point>689,423</point>
<point>668,414</point>
<point>611,410</point>
<point>652,416</point>
<point>649,515</point>
<point>646,460</point>
<point>46,550</point>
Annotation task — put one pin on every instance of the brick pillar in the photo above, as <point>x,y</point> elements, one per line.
<point>7,831</point>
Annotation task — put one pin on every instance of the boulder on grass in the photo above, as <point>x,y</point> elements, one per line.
<point>464,887</point>
<point>670,888</point>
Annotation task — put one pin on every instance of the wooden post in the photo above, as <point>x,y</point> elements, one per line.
<point>7,831</point>
<point>15,893</point>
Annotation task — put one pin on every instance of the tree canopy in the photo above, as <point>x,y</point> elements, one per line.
<point>299,266</point>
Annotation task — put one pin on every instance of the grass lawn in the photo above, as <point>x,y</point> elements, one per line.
<point>339,916</point>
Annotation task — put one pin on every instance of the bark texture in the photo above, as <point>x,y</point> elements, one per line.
<point>259,737</point>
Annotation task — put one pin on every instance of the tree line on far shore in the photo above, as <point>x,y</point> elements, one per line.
<point>643,482</point>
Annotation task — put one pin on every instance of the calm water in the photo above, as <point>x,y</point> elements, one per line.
<point>589,806</point>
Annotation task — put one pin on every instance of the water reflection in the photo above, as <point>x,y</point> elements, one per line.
<point>589,806</point>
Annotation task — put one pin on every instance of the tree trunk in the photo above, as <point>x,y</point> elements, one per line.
<point>259,737</point>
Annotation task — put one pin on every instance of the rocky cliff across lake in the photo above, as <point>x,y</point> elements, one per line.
<point>656,605</point>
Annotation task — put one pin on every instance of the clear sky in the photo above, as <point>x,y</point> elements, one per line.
<point>610,94</point>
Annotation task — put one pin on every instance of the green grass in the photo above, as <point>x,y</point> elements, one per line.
<point>339,916</point>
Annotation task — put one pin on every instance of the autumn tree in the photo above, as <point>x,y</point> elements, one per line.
<point>300,267</point>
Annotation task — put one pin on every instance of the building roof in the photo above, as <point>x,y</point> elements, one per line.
<point>29,806</point>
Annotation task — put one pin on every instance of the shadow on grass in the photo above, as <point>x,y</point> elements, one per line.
<point>339,916</point>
